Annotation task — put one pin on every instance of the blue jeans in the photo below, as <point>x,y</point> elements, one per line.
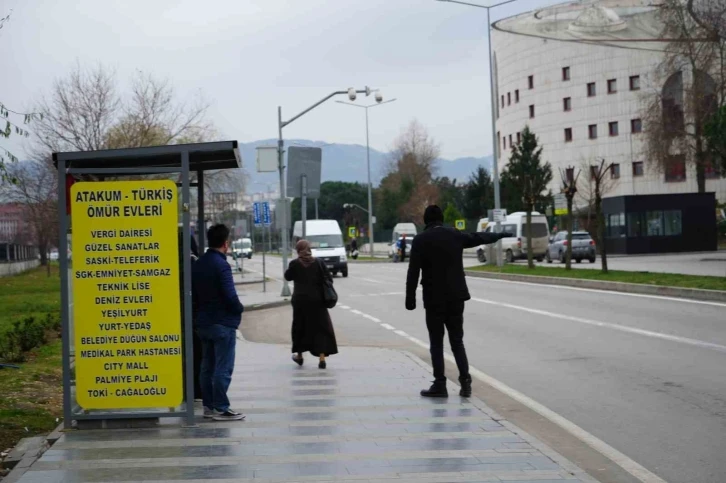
<point>218,342</point>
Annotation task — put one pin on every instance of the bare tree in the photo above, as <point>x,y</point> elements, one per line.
<point>410,173</point>
<point>693,79</point>
<point>569,189</point>
<point>596,185</point>
<point>36,189</point>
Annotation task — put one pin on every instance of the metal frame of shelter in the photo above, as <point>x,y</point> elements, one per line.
<point>181,159</point>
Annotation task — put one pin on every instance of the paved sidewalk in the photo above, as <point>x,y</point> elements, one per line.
<point>359,420</point>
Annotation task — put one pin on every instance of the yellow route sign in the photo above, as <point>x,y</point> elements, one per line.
<point>126,307</point>
<point>460,224</point>
<point>351,232</point>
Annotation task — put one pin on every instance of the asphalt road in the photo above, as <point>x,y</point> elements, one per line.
<point>646,375</point>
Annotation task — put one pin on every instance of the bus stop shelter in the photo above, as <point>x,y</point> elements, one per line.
<point>177,162</point>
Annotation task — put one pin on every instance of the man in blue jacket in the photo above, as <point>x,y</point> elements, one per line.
<point>218,314</point>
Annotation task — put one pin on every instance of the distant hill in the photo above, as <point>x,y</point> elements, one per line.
<point>347,162</point>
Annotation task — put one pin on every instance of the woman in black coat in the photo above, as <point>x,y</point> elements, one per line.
<point>312,329</point>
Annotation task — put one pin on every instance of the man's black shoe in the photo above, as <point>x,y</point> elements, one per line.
<point>465,386</point>
<point>437,389</point>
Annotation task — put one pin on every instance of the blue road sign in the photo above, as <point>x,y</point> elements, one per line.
<point>257,212</point>
<point>266,213</point>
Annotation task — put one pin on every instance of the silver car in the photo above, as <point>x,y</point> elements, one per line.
<point>583,247</point>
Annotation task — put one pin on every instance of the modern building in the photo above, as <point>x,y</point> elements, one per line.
<point>13,227</point>
<point>578,74</point>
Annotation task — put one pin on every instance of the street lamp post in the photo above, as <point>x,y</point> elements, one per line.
<point>495,147</point>
<point>368,162</point>
<point>351,93</point>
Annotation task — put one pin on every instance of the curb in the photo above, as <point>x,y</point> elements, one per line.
<point>267,305</point>
<point>635,288</point>
<point>31,455</point>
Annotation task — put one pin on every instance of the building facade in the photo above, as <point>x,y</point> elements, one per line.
<point>13,227</point>
<point>577,74</point>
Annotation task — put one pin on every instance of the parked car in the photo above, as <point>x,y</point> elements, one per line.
<point>583,247</point>
<point>515,248</point>
<point>393,248</point>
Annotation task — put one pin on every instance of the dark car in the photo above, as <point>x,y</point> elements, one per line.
<point>583,247</point>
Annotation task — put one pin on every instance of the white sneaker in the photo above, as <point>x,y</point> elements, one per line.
<point>228,415</point>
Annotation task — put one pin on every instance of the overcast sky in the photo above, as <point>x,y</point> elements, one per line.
<point>249,56</point>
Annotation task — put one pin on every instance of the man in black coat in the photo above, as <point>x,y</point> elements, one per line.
<point>437,253</point>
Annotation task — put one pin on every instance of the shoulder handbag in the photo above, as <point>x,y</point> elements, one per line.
<point>330,296</point>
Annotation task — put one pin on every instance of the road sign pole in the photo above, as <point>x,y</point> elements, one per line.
<point>304,203</point>
<point>264,272</point>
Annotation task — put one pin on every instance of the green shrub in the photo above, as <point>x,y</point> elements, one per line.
<point>24,336</point>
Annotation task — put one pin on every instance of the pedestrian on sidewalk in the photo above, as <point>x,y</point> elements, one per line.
<point>312,329</point>
<point>402,247</point>
<point>219,313</point>
<point>438,254</point>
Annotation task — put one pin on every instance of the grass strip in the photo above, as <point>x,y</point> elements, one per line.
<point>647,278</point>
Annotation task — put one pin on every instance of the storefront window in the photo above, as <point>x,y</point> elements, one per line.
<point>673,222</point>
<point>635,225</point>
<point>615,224</point>
<point>655,223</point>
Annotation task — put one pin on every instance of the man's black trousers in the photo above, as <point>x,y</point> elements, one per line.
<point>447,317</point>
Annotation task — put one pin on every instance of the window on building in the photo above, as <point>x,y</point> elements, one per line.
<point>675,169</point>
<point>615,225</point>
<point>504,142</point>
<point>615,171</point>
<point>672,223</point>
<point>516,95</point>
<point>710,170</point>
<point>499,154</point>
<point>565,73</point>
<point>636,225</point>
<point>509,98</point>
<point>592,131</point>
<point>530,81</point>
<point>654,226</point>
<point>568,134</point>
<point>638,169</point>
<point>612,86</point>
<point>593,172</point>
<point>591,90</point>
<point>567,103</point>
<point>510,141</point>
<point>613,128</point>
<point>519,138</point>
<point>570,175</point>
<point>636,126</point>
<point>634,82</point>
<point>502,100</point>
<point>531,111</point>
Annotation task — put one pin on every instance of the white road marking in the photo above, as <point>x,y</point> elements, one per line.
<point>611,292</point>
<point>608,325</point>
<point>370,317</point>
<point>595,443</point>
<point>356,312</point>
<point>635,469</point>
<point>344,307</point>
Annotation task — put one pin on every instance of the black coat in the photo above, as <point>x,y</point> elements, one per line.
<point>437,253</point>
<point>312,328</point>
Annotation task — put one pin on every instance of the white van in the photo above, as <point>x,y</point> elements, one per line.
<point>242,247</point>
<point>515,248</point>
<point>408,229</point>
<point>326,240</point>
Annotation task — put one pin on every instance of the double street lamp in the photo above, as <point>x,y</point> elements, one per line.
<point>380,102</point>
<point>352,94</point>
<point>495,147</point>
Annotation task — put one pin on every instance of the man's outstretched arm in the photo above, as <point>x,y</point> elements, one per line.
<point>414,267</point>
<point>471,240</point>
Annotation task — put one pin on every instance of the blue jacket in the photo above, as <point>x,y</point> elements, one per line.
<point>214,296</point>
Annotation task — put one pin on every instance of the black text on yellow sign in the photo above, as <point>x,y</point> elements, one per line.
<point>126,298</point>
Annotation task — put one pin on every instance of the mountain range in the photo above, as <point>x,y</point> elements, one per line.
<point>347,162</point>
